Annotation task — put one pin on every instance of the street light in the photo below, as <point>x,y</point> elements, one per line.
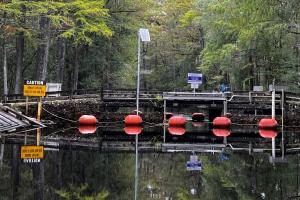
<point>144,36</point>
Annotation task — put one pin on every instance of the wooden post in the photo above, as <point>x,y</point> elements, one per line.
<point>26,110</point>
<point>38,133</point>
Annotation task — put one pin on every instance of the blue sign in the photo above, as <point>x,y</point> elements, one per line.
<point>193,166</point>
<point>194,78</point>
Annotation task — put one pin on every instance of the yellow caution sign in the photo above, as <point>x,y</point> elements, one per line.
<point>32,152</point>
<point>34,88</point>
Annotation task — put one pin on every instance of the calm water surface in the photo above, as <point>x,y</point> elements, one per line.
<point>106,165</point>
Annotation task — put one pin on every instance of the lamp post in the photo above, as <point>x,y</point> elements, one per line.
<point>144,36</point>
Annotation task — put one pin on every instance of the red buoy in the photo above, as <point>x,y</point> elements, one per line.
<point>133,130</point>
<point>176,130</point>
<point>220,132</point>
<point>221,122</point>
<point>177,121</point>
<point>133,120</point>
<point>267,133</point>
<point>268,123</point>
<point>87,129</point>
<point>87,120</point>
<point>198,117</point>
<point>168,115</point>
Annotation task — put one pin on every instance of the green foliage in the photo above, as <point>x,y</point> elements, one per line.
<point>77,193</point>
<point>247,33</point>
<point>240,42</point>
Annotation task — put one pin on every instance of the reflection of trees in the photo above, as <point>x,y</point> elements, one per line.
<point>88,174</point>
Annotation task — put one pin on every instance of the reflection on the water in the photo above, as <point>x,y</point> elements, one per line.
<point>111,164</point>
<point>87,129</point>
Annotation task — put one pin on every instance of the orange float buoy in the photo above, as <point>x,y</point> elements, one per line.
<point>267,123</point>
<point>168,115</point>
<point>267,133</point>
<point>133,130</point>
<point>198,117</point>
<point>87,120</point>
<point>177,121</point>
<point>220,132</point>
<point>176,130</point>
<point>221,122</point>
<point>86,129</point>
<point>133,120</point>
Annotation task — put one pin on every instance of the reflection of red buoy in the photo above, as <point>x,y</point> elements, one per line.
<point>220,132</point>
<point>176,130</point>
<point>267,133</point>
<point>168,115</point>
<point>198,117</point>
<point>268,123</point>
<point>133,120</point>
<point>87,129</point>
<point>87,120</point>
<point>133,130</point>
<point>221,122</point>
<point>198,124</point>
<point>177,121</point>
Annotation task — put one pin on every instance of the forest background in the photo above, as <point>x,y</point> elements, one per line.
<point>93,43</point>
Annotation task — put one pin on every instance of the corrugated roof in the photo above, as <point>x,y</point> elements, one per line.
<point>9,122</point>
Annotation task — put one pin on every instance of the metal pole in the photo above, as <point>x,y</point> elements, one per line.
<point>225,107</point>
<point>137,112</point>
<point>282,115</point>
<point>273,104</point>
<point>273,117</point>
<point>136,169</point>
<point>165,109</point>
<point>138,74</point>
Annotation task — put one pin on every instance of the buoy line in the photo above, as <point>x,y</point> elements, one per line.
<point>69,120</point>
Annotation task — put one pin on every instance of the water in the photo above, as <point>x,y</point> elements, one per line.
<point>103,165</point>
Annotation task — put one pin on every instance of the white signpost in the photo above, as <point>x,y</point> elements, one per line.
<point>195,80</point>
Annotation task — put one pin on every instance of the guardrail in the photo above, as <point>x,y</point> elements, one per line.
<point>130,94</point>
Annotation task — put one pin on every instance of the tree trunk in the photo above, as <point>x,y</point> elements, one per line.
<point>15,171</point>
<point>254,64</point>
<point>43,48</point>
<point>201,38</point>
<point>75,70</point>
<point>5,88</point>
<point>61,51</point>
<point>19,67</point>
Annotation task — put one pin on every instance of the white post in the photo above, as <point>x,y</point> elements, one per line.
<point>225,107</point>
<point>136,169</point>
<point>165,120</point>
<point>273,103</point>
<point>138,74</point>
<point>282,115</point>
<point>273,117</point>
